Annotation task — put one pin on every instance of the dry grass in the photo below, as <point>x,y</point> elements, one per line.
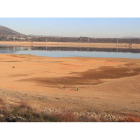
<point>25,113</point>
<point>131,119</point>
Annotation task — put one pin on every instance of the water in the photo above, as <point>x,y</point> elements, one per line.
<point>48,53</point>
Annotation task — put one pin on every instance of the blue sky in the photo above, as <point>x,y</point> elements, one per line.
<point>75,27</point>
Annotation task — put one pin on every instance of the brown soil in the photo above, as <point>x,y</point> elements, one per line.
<point>108,85</point>
<point>89,77</point>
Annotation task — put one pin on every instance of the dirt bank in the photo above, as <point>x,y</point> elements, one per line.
<point>71,44</point>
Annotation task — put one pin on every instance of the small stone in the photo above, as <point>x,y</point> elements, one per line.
<point>1,115</point>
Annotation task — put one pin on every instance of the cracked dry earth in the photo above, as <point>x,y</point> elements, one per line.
<point>108,87</point>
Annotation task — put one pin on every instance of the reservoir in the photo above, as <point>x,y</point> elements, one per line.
<point>69,52</point>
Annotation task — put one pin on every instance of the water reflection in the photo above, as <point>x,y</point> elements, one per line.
<point>20,48</point>
<point>70,52</point>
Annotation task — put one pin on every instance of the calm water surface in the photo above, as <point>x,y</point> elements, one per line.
<point>25,50</point>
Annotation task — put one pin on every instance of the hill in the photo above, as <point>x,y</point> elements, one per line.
<point>130,37</point>
<point>7,31</point>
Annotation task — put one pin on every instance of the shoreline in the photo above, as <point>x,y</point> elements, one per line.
<point>70,44</point>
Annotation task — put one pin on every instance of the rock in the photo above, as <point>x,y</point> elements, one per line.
<point>1,115</point>
<point>20,119</point>
<point>15,119</point>
<point>11,119</point>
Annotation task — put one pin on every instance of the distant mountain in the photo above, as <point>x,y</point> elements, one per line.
<point>42,35</point>
<point>7,31</point>
<point>130,37</point>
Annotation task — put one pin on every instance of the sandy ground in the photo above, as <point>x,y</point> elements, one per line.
<point>105,84</point>
<point>70,44</point>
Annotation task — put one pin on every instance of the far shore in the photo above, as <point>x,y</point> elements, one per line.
<point>70,44</point>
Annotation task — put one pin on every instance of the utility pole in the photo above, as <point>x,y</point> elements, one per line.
<point>14,38</point>
<point>31,42</point>
<point>88,39</point>
<point>117,42</point>
<point>80,38</point>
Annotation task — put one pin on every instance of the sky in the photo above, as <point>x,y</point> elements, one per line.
<point>75,27</point>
